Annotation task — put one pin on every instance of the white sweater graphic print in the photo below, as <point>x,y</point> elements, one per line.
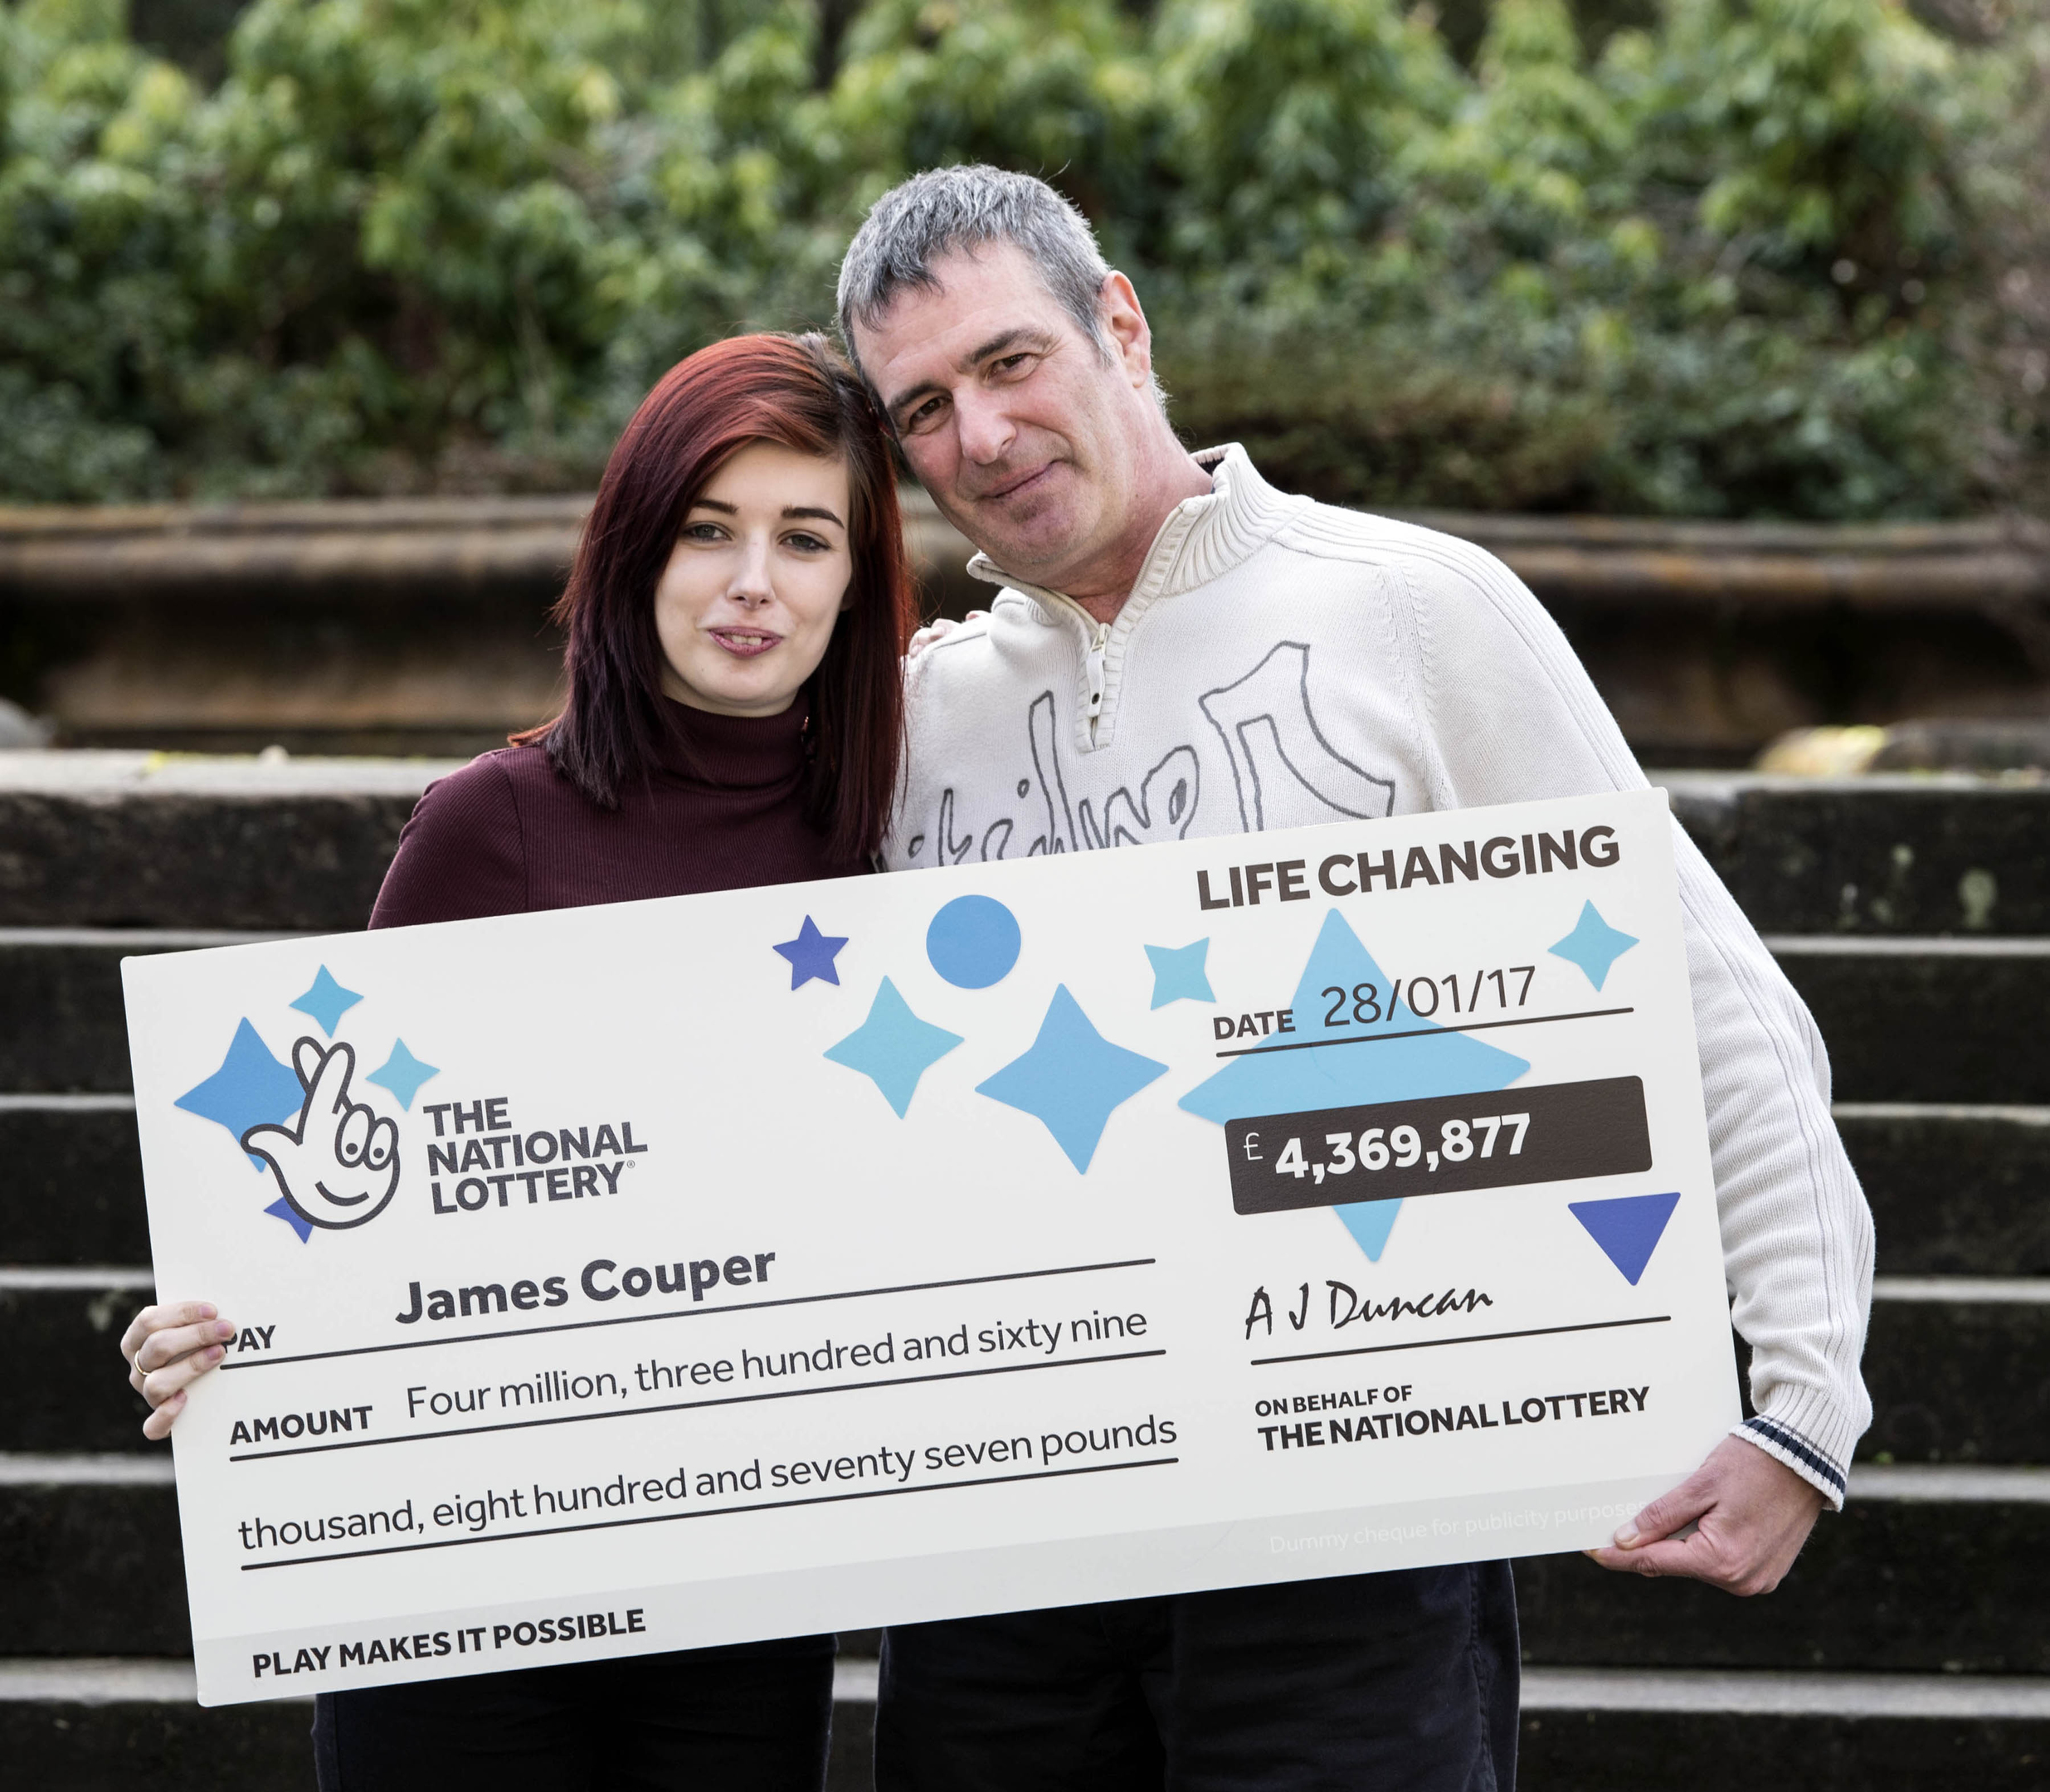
<point>1281,663</point>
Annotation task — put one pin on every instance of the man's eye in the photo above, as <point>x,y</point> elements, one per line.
<point>1012,363</point>
<point>924,414</point>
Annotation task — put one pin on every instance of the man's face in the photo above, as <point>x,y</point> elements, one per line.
<point>1029,441</point>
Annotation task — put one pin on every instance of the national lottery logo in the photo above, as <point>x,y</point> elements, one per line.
<point>338,1167</point>
<point>331,1155</point>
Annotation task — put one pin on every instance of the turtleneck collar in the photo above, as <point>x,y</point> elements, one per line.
<point>1203,538</point>
<point>734,753</point>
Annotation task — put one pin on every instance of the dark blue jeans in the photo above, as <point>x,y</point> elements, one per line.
<point>753,1718</point>
<point>1390,1682</point>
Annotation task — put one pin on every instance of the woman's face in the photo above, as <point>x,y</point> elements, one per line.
<point>759,574</point>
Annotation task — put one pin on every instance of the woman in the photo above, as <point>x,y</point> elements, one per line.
<point>735,616</point>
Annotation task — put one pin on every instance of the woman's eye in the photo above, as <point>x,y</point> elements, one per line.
<point>808,544</point>
<point>702,531</point>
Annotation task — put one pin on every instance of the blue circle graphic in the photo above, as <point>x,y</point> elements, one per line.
<point>973,941</point>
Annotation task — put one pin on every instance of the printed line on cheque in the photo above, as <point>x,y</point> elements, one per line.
<point>727,1400</point>
<point>687,1313</point>
<point>718,1511</point>
<point>1425,1032</point>
<point>1478,1337</point>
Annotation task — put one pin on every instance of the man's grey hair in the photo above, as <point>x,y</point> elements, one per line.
<point>931,215</point>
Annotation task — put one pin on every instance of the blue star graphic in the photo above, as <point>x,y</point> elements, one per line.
<point>292,1217</point>
<point>1072,1078</point>
<point>250,1087</point>
<point>1179,973</point>
<point>402,1073</point>
<point>811,955</point>
<point>1593,945</point>
<point>893,1048</point>
<point>326,1001</point>
<point>1429,1061</point>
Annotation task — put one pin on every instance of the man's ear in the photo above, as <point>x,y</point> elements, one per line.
<point>1124,322</point>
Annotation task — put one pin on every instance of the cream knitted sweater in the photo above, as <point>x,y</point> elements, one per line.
<point>1280,662</point>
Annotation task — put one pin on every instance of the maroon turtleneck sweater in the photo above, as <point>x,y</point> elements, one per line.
<point>508,833</point>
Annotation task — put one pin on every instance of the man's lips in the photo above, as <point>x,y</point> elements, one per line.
<point>1017,485</point>
<point>744,643</point>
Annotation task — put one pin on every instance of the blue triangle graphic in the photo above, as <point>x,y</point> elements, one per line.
<point>1434,1063</point>
<point>1628,1229</point>
<point>1369,1222</point>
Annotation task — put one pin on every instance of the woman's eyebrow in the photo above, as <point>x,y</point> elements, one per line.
<point>818,511</point>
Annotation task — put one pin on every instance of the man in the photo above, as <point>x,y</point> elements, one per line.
<point>1179,651</point>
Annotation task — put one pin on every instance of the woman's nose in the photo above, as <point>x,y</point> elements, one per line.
<point>752,584</point>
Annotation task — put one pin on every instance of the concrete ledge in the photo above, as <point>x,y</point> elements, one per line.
<point>1928,1571</point>
<point>1880,854</point>
<point>1927,1019</point>
<point>1955,1190</point>
<point>1954,1364</point>
<point>120,1724</point>
<point>1785,1695</point>
<point>136,838</point>
<point>62,1027</point>
<point>1906,1020</point>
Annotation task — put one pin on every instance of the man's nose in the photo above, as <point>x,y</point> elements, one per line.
<point>984,430</point>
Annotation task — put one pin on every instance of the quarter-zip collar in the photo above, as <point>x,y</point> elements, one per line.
<point>1202,538</point>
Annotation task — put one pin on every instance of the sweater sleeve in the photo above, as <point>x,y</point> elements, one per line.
<point>460,855</point>
<point>1512,715</point>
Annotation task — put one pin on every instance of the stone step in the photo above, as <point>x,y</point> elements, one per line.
<point>1921,1020</point>
<point>1927,1019</point>
<point>71,1180</point>
<point>61,1023</point>
<point>1620,1729</point>
<point>1955,1189</point>
<point>1954,1364</point>
<point>129,1724</point>
<point>156,840</point>
<point>70,1724</point>
<point>90,1562</point>
<point>1955,1368</point>
<point>66,1725</point>
<point>69,1321</point>
<point>114,838</point>
<point>1886,855</point>
<point>1928,1571</point>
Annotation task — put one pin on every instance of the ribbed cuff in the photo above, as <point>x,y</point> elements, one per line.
<point>1784,1444</point>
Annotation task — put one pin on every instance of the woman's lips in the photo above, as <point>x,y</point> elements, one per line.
<point>744,643</point>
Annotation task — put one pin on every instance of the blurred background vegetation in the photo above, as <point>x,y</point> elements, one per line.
<point>1764,258</point>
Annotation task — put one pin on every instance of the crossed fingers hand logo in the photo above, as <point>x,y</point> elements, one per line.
<point>338,1164</point>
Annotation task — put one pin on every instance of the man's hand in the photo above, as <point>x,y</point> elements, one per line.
<point>1752,1514</point>
<point>339,1165</point>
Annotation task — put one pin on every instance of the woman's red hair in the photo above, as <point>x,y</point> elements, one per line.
<point>795,391</point>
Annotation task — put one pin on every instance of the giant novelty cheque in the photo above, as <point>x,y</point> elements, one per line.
<point>898,1247</point>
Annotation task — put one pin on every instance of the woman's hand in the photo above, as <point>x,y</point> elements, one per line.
<point>937,630</point>
<point>168,1348</point>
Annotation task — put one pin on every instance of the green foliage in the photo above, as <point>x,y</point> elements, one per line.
<point>1765,258</point>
